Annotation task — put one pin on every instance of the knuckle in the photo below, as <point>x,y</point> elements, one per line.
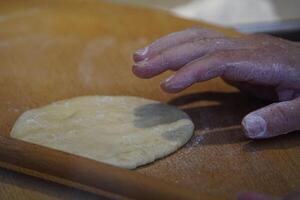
<point>164,58</point>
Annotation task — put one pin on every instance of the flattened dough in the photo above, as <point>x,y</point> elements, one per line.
<point>119,130</point>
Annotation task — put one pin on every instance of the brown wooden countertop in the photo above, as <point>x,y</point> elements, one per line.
<point>52,50</point>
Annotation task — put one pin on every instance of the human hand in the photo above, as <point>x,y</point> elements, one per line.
<point>266,66</point>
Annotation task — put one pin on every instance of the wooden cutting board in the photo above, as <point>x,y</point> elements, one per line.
<point>52,50</point>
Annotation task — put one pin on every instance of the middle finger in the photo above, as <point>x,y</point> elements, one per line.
<point>176,57</point>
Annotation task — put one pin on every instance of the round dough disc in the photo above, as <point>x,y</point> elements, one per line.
<point>119,130</point>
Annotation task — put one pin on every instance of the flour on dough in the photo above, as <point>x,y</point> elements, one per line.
<point>119,130</point>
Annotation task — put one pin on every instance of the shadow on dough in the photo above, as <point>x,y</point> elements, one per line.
<point>155,114</point>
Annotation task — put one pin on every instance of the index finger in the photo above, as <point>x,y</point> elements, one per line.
<point>172,40</point>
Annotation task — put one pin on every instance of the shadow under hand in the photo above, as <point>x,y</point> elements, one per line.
<point>220,122</point>
<point>150,115</point>
<point>217,115</point>
<point>281,142</point>
<point>221,136</point>
<point>154,114</point>
<point>217,109</point>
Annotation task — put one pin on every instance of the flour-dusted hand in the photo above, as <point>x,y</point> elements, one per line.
<point>266,66</point>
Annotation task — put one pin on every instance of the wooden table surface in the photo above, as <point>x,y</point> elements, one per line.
<point>52,50</point>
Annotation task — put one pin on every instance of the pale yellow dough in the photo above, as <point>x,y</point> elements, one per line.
<point>119,130</point>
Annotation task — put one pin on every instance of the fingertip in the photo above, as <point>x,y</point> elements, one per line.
<point>136,57</point>
<point>140,72</point>
<point>255,127</point>
<point>168,85</point>
<point>140,54</point>
<point>145,69</point>
<point>168,89</point>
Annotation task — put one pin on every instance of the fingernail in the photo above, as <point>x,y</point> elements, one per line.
<point>255,126</point>
<point>143,63</point>
<point>142,52</point>
<point>168,79</point>
<point>165,84</point>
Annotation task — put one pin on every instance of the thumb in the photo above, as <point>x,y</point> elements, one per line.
<point>275,119</point>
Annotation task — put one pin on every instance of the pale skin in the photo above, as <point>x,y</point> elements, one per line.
<point>265,66</point>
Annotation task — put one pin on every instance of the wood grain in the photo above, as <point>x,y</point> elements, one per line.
<point>52,50</point>
<point>85,174</point>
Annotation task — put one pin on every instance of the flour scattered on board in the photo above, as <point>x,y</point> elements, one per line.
<point>18,14</point>
<point>93,50</point>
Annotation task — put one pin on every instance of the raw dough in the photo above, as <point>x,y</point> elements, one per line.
<point>119,130</point>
